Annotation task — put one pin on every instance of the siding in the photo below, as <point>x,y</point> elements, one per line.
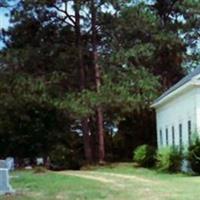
<point>178,111</point>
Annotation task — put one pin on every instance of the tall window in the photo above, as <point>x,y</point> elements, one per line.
<point>189,132</point>
<point>167,141</point>
<point>173,136</point>
<point>161,138</point>
<point>180,135</point>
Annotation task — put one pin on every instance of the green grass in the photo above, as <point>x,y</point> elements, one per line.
<point>50,186</point>
<point>114,182</point>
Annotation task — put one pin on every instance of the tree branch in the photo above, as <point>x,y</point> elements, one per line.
<point>70,17</point>
<point>64,20</point>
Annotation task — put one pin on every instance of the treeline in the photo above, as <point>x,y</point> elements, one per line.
<point>77,77</point>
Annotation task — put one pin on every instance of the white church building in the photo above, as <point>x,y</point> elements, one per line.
<point>178,112</point>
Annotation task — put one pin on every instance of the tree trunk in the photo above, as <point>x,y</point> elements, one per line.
<point>84,122</point>
<point>99,112</point>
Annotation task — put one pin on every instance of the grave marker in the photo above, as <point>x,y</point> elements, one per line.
<point>5,187</point>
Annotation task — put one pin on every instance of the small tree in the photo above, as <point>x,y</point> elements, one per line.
<point>169,159</point>
<point>194,156</point>
<point>144,155</point>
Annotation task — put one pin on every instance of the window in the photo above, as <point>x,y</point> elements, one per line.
<point>180,135</point>
<point>167,142</point>
<point>173,136</point>
<point>161,138</point>
<point>189,132</point>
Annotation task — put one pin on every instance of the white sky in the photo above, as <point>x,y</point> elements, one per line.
<point>4,22</point>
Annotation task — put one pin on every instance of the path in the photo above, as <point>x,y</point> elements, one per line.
<point>107,177</point>
<point>125,186</point>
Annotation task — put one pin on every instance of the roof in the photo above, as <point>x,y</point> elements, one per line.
<point>183,81</point>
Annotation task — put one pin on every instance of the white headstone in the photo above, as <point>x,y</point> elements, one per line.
<point>3,164</point>
<point>4,182</point>
<point>10,163</point>
<point>39,161</point>
<point>28,167</point>
<point>185,166</point>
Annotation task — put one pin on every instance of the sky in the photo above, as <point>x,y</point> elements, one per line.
<point>4,21</point>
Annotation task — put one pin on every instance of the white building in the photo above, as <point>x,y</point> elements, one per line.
<point>178,112</point>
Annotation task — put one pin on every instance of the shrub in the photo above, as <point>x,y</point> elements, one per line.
<point>194,156</point>
<point>169,159</point>
<point>144,155</point>
<point>39,170</point>
<point>61,157</point>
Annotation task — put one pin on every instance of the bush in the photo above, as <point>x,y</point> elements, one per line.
<point>144,155</point>
<point>61,157</point>
<point>169,159</point>
<point>194,156</point>
<point>39,170</point>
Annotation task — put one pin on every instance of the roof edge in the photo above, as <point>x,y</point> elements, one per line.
<point>175,93</point>
<point>190,77</point>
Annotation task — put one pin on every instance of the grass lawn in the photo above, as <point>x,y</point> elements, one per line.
<point>115,182</point>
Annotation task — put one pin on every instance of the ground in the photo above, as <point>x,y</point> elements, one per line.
<point>114,182</point>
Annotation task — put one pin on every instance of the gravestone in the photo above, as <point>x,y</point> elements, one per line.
<point>3,164</point>
<point>185,166</point>
<point>39,161</point>
<point>10,163</point>
<point>5,187</point>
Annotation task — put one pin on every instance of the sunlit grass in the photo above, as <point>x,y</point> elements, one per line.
<point>113,182</point>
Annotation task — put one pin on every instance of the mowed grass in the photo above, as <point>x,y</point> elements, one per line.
<point>114,182</point>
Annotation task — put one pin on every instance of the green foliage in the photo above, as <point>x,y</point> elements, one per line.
<point>194,156</point>
<point>64,157</point>
<point>139,47</point>
<point>39,170</point>
<point>118,96</point>
<point>31,129</point>
<point>169,159</point>
<point>144,155</point>
<point>31,122</point>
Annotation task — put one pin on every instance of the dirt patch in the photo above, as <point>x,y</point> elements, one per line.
<point>128,177</point>
<point>106,177</point>
<point>83,175</point>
